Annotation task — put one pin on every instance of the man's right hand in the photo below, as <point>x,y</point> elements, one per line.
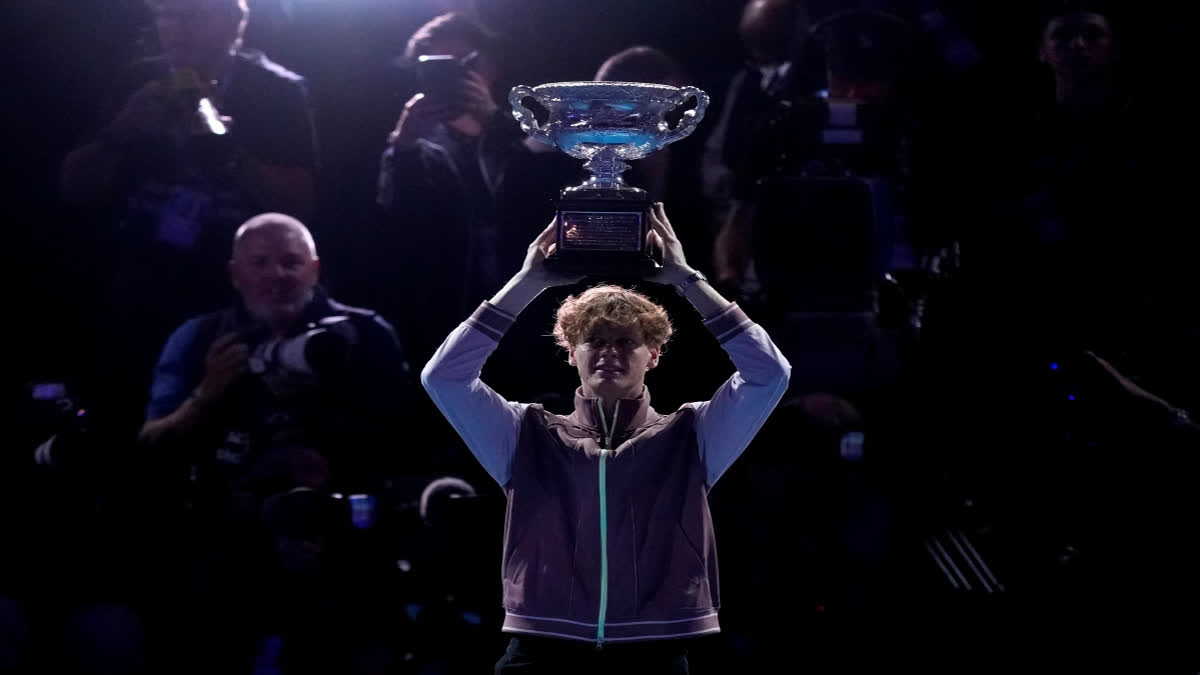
<point>90,171</point>
<point>534,277</point>
<point>534,269</point>
<point>227,359</point>
<point>421,115</point>
<point>145,114</point>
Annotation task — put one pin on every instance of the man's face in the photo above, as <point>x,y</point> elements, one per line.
<point>612,361</point>
<point>275,273</point>
<point>1078,44</point>
<point>767,30</point>
<point>196,33</point>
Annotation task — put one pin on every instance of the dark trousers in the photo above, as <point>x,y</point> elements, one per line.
<point>549,656</point>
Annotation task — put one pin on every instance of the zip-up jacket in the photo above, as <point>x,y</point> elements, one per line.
<point>608,536</point>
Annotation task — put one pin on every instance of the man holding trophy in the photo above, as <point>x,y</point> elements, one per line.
<point>609,552</point>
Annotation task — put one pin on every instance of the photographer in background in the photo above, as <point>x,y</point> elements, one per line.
<point>438,181</point>
<point>285,366</point>
<point>286,392</point>
<point>189,145</point>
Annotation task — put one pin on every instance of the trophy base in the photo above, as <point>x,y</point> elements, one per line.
<point>603,264</point>
<point>602,233</point>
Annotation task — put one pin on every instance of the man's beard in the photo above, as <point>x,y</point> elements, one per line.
<point>272,313</point>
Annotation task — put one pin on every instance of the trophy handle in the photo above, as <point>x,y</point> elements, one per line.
<point>687,124</point>
<point>525,116</point>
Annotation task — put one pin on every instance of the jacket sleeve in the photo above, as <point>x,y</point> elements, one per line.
<point>487,423</point>
<point>726,424</point>
<point>179,369</point>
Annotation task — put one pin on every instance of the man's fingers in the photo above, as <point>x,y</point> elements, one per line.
<point>477,78</point>
<point>473,83</point>
<point>655,239</point>
<point>231,359</point>
<point>660,213</point>
<point>657,226</point>
<point>547,235</point>
<point>220,344</point>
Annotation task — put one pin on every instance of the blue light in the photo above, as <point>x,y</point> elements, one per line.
<point>1053,366</point>
<point>1071,397</point>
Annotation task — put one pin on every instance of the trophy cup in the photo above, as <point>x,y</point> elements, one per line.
<point>603,223</point>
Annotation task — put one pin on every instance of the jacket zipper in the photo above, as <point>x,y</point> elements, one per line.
<point>605,449</point>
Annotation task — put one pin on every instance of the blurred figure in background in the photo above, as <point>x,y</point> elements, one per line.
<point>1073,249</point>
<point>194,142</point>
<point>269,407</point>
<point>813,477</point>
<point>329,376</point>
<point>438,179</point>
<point>769,30</point>
<point>819,215</point>
<point>672,174</point>
<point>1077,234</point>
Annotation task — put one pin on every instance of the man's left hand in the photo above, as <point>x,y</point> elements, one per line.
<point>674,268</point>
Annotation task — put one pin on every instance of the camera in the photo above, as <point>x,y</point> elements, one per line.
<point>322,348</point>
<point>440,75</point>
<point>59,425</point>
<point>190,97</point>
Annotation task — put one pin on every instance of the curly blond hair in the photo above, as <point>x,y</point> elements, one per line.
<point>578,316</point>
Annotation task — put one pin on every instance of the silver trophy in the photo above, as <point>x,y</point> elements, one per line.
<point>602,223</point>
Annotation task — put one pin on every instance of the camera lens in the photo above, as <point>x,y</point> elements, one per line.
<point>324,350</point>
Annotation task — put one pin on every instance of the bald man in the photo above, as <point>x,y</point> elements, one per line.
<point>244,405</point>
<point>229,382</point>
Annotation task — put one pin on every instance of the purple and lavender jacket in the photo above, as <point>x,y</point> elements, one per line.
<point>608,536</point>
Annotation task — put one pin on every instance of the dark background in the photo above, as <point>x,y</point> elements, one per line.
<point>62,56</point>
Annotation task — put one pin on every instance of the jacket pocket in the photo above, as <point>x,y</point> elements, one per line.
<point>689,574</point>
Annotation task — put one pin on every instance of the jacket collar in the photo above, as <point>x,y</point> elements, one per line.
<point>631,412</point>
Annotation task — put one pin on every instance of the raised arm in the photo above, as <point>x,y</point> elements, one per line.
<point>726,423</point>
<point>488,423</point>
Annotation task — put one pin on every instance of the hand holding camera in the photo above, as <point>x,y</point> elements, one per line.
<point>421,115</point>
<point>226,360</point>
<point>450,88</point>
<point>146,115</point>
<point>180,105</point>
